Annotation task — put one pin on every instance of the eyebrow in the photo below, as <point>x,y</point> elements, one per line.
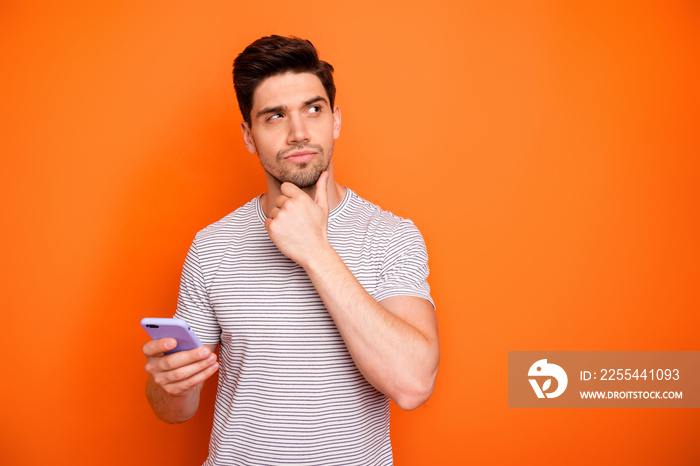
<point>313,100</point>
<point>281,108</point>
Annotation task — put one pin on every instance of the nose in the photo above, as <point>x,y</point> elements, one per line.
<point>298,132</point>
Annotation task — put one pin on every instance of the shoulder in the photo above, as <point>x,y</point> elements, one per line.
<point>372,218</point>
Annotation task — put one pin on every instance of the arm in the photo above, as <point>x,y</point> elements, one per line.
<point>176,380</point>
<point>394,342</point>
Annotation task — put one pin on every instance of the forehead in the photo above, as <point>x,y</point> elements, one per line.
<point>287,90</point>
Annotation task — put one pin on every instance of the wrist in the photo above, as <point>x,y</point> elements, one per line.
<point>321,260</point>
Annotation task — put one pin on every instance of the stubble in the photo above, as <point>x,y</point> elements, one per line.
<point>303,175</point>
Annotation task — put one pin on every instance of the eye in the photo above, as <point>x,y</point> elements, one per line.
<point>315,109</point>
<point>274,116</point>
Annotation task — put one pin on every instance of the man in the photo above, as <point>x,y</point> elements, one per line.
<point>317,299</point>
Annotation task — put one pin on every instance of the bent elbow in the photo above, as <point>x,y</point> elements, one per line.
<point>410,403</point>
<point>410,399</point>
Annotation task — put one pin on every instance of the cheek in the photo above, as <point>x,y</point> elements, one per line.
<point>268,148</point>
<point>266,143</point>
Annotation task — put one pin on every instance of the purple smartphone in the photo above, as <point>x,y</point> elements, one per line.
<point>174,328</point>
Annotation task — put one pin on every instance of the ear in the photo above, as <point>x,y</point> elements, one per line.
<point>336,122</point>
<point>248,138</point>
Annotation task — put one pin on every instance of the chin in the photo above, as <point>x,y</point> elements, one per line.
<point>306,181</point>
<point>305,176</point>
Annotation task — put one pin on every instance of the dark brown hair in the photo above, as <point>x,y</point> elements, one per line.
<point>274,55</point>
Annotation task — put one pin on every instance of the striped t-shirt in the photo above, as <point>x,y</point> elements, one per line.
<point>289,392</point>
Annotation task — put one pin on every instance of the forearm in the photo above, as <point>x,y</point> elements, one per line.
<point>395,356</point>
<point>169,408</point>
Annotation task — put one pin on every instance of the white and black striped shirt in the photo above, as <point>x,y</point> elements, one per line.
<point>289,392</point>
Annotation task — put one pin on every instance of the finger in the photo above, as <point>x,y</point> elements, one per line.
<point>321,197</point>
<point>181,373</point>
<point>180,387</point>
<point>290,189</point>
<point>160,346</point>
<point>281,200</point>
<point>274,212</point>
<point>159,364</point>
<point>183,358</point>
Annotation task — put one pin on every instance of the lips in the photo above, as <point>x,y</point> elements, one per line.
<point>300,156</point>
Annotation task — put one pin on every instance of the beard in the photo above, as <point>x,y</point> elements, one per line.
<point>303,175</point>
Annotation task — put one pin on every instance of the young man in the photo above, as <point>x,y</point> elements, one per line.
<point>317,299</point>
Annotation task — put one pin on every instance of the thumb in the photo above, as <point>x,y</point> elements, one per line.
<point>321,197</point>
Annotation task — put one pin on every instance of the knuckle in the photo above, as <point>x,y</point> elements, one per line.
<point>170,390</point>
<point>160,379</point>
<point>168,364</point>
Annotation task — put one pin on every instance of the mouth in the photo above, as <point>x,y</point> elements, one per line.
<point>300,156</point>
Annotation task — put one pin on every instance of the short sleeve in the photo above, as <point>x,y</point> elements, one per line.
<point>193,303</point>
<point>404,270</point>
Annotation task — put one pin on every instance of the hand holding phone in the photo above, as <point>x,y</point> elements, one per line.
<point>178,329</point>
<point>176,379</point>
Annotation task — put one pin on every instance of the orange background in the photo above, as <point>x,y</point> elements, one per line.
<point>548,151</point>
